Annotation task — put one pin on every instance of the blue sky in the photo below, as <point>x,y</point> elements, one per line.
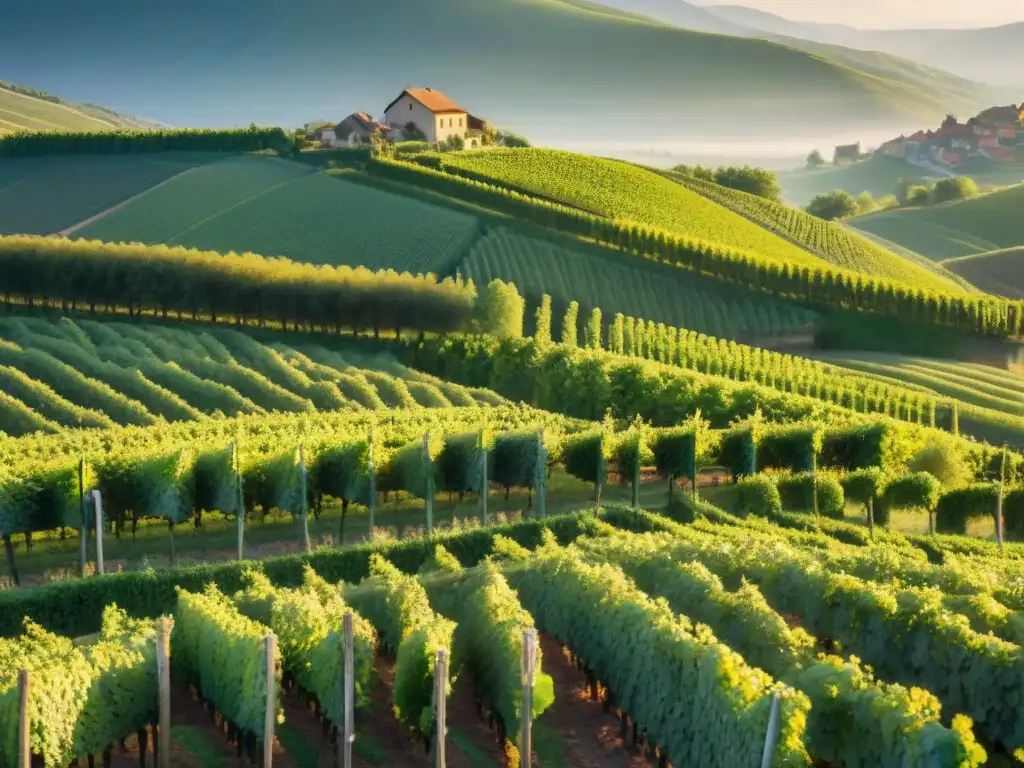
<point>891,13</point>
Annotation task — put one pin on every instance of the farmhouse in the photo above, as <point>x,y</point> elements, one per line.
<point>357,128</point>
<point>846,153</point>
<point>433,114</point>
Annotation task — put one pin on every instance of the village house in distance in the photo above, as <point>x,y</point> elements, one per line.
<point>418,114</point>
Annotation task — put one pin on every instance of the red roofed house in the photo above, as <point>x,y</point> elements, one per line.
<point>896,147</point>
<point>435,115</point>
<point>357,128</point>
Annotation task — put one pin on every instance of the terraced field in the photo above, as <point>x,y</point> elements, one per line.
<point>596,278</point>
<point>830,241</point>
<point>92,374</point>
<point>21,112</point>
<point>987,223</point>
<point>278,208</point>
<point>623,191</point>
<point>45,195</point>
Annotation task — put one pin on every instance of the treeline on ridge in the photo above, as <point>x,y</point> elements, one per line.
<point>43,143</point>
<point>93,275</point>
<point>984,315</point>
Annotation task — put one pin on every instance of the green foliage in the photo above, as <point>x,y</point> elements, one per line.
<point>37,144</point>
<point>222,653</point>
<point>585,455</point>
<point>397,605</point>
<point>833,205</point>
<point>758,495</point>
<point>792,447</point>
<point>797,493</point>
<point>569,323</point>
<point>918,490</point>
<point>542,330</point>
<point>958,188</point>
<point>958,507</point>
<point>863,485</point>
<point>341,471</point>
<point>682,666</point>
<point>147,485</point>
<point>499,310</point>
<point>211,284</point>
<point>440,561</point>
<point>594,331</point>
<point>862,447</point>
<point>488,645</point>
<point>944,462</point>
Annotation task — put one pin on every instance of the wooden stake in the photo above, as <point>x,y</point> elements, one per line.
<point>97,503</point>
<point>871,517</point>
<point>163,667</point>
<point>440,706</point>
<point>373,486</point>
<point>269,646</point>
<point>24,742</point>
<point>484,482</point>
<point>348,695</point>
<point>302,500</point>
<point>239,501</point>
<point>772,738</point>
<point>429,491</point>
<point>83,542</point>
<point>529,663</point>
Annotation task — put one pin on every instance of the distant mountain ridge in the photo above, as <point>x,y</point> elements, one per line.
<point>993,55</point>
<point>25,108</point>
<point>555,70</point>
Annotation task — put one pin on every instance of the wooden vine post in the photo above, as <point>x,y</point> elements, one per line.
<point>348,695</point>
<point>529,663</point>
<point>371,472</point>
<point>97,503</point>
<point>774,728</point>
<point>541,479</point>
<point>484,481</point>
<point>303,506</point>
<point>236,466</point>
<point>440,706</point>
<point>163,669</point>
<point>428,493</point>
<point>270,716</point>
<point>24,735</point>
<point>871,516</point>
<point>83,540</point>
<point>999,499</point>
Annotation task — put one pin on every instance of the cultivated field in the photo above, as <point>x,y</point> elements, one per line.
<point>622,191</point>
<point>829,240</point>
<point>21,112</point>
<point>596,278</point>
<point>986,223</point>
<point>97,374</point>
<point>45,195</point>
<point>997,272</point>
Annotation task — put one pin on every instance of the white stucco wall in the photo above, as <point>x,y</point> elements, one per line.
<point>435,127</point>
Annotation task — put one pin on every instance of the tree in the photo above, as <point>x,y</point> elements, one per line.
<point>959,188</point>
<point>499,310</point>
<point>815,160</point>
<point>950,121</point>
<point>569,324</point>
<point>918,195</point>
<point>592,333</point>
<point>754,181</point>
<point>542,333</point>
<point>509,139</point>
<point>866,203</point>
<point>838,204</point>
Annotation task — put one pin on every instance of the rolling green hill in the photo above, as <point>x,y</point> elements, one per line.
<point>47,195</point>
<point>877,176</point>
<point>623,191</point>
<point>279,208</point>
<point>96,374</point>
<point>597,278</point>
<point>831,241</point>
<point>986,223</point>
<point>27,109</point>
<point>516,62</point>
<point>999,272</point>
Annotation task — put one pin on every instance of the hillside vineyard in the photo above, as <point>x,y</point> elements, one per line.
<point>316,450</point>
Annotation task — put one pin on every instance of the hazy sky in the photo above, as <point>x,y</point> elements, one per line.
<point>880,14</point>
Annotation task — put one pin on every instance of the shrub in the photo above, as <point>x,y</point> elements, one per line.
<point>959,188</point>
<point>739,452</point>
<point>830,206</point>
<point>863,485</point>
<point>956,508</point>
<point>943,462</point>
<point>754,181</point>
<point>860,447</point>
<point>918,490</point>
<point>1013,515</point>
<point>757,495</point>
<point>788,447</point>
<point>797,494</point>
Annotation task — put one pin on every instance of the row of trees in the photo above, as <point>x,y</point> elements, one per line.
<point>42,143</point>
<point>840,204</point>
<point>820,286</point>
<point>754,181</point>
<point>92,275</point>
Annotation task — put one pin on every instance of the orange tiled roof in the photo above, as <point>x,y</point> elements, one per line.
<point>433,100</point>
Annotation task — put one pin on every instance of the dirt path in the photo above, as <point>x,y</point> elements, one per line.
<point>577,732</point>
<point>115,208</point>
